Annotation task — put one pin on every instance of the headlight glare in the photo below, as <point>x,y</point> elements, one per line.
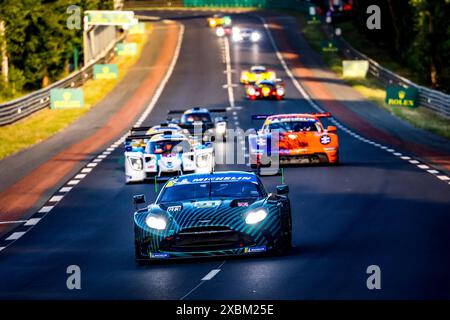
<point>256,216</point>
<point>157,223</point>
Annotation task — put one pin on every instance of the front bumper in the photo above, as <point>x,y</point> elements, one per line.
<point>208,243</point>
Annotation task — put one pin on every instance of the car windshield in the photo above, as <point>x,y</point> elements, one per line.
<point>196,117</point>
<point>169,147</point>
<point>194,191</point>
<point>258,70</point>
<point>294,126</point>
<point>266,83</point>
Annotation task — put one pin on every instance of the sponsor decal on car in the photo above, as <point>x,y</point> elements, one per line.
<point>325,139</point>
<point>255,249</point>
<point>174,209</point>
<point>159,255</point>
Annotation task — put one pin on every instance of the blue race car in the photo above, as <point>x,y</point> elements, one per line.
<point>214,214</point>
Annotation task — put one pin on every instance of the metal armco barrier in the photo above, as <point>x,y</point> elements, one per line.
<point>22,107</point>
<point>434,100</point>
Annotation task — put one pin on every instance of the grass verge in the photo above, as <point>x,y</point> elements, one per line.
<point>45,123</point>
<point>370,88</point>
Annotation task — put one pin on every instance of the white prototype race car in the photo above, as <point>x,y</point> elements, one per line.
<point>165,151</point>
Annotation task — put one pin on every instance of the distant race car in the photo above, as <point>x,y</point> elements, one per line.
<point>217,214</point>
<point>202,120</point>
<point>257,73</point>
<point>168,152</point>
<point>245,35</point>
<point>223,31</point>
<point>301,138</point>
<point>219,20</point>
<point>266,89</point>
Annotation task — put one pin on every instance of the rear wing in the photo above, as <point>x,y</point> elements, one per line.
<point>315,114</point>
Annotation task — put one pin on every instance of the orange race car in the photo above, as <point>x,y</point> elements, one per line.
<point>294,139</point>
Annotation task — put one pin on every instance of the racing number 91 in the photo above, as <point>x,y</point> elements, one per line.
<point>252,309</point>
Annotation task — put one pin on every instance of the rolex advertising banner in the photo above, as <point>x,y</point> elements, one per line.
<point>399,96</point>
<point>355,68</point>
<point>66,98</point>
<point>106,71</point>
<point>126,49</point>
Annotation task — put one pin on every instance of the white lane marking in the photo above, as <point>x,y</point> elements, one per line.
<point>228,63</point>
<point>32,222</point>
<point>15,236</point>
<point>423,166</point>
<point>73,182</point>
<point>106,153</point>
<point>97,160</point>
<point>308,98</point>
<point>236,123</point>
<point>91,165</point>
<point>80,176</point>
<point>234,113</point>
<point>45,209</point>
<point>111,148</point>
<point>55,198</point>
<point>433,171</point>
<point>102,156</point>
<point>86,170</point>
<point>201,282</point>
<point>1,248</point>
<point>443,178</point>
<point>211,275</point>
<point>13,222</point>
<point>398,154</point>
<point>65,189</point>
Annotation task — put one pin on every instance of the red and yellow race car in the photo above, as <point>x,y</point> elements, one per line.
<point>257,73</point>
<point>298,138</point>
<point>218,20</point>
<point>266,89</point>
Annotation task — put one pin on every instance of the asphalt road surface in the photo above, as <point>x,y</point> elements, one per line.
<point>373,209</point>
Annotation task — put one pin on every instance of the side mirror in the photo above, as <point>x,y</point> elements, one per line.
<point>331,129</point>
<point>282,189</point>
<point>138,199</point>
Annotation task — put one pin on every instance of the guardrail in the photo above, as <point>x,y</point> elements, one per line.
<point>434,100</point>
<point>17,109</point>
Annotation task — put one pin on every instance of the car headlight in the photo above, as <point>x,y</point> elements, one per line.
<point>256,216</point>
<point>280,91</point>
<point>255,36</point>
<point>203,160</point>
<point>136,163</point>
<point>220,32</point>
<point>158,223</point>
<point>237,37</point>
<point>221,128</point>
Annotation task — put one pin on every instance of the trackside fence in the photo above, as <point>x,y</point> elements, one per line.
<point>22,107</point>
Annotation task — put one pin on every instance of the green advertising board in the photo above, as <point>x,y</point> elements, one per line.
<point>106,71</point>
<point>110,17</point>
<point>328,46</point>
<point>66,98</point>
<point>138,28</point>
<point>399,96</point>
<point>126,49</point>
